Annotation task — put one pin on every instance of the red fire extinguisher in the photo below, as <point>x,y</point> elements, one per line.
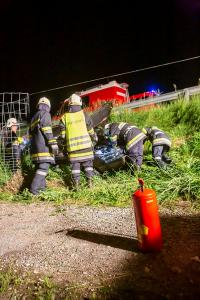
<point>147,219</point>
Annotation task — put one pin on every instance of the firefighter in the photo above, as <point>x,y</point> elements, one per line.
<point>161,144</point>
<point>130,138</point>
<point>79,138</point>
<point>12,144</point>
<point>43,145</point>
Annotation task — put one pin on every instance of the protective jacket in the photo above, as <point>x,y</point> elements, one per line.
<point>125,134</point>
<point>41,136</point>
<point>78,133</point>
<point>157,137</point>
<point>12,145</point>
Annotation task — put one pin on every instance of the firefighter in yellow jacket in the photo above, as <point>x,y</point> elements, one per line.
<point>78,133</point>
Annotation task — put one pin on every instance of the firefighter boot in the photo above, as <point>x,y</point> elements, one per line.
<point>166,159</point>
<point>76,185</point>
<point>89,182</point>
<point>138,169</point>
<point>161,164</point>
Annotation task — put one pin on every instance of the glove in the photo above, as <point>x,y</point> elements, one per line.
<point>54,149</point>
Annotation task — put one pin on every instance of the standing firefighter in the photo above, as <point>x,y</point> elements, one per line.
<point>130,138</point>
<point>160,145</point>
<point>78,133</point>
<point>43,144</point>
<point>12,144</point>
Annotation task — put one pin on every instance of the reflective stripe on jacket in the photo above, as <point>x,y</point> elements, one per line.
<point>125,134</point>
<point>77,136</point>
<point>12,145</point>
<point>158,137</point>
<point>41,137</point>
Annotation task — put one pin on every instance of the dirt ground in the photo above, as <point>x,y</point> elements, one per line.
<point>92,247</point>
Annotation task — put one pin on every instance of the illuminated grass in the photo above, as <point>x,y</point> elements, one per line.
<point>181,120</point>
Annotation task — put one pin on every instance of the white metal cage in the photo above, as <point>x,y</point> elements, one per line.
<point>12,105</point>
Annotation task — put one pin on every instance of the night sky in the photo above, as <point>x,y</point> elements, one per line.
<point>46,45</point>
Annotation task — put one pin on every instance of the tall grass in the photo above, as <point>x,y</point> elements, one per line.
<point>181,120</point>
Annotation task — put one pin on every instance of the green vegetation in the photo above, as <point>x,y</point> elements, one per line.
<point>181,120</point>
<point>26,285</point>
<point>14,285</point>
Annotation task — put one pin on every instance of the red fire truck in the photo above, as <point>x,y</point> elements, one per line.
<point>114,92</point>
<point>144,95</point>
<point>94,97</point>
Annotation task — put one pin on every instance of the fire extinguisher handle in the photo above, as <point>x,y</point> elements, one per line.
<point>141,182</point>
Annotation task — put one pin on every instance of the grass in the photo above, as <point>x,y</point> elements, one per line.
<point>15,285</point>
<point>25,285</point>
<point>181,121</point>
<point>180,181</point>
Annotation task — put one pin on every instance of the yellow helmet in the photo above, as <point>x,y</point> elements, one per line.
<point>75,100</point>
<point>44,100</point>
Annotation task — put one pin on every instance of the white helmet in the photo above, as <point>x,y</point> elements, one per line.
<point>107,129</point>
<point>107,126</point>
<point>44,100</point>
<point>75,100</point>
<point>11,122</point>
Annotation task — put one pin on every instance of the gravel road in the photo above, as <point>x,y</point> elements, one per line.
<point>70,240</point>
<point>87,245</point>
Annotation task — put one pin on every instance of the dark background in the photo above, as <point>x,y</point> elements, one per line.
<point>47,45</point>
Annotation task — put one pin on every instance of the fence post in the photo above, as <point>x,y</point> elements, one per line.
<point>186,94</point>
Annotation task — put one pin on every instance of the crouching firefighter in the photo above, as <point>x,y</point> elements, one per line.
<point>130,138</point>
<point>79,136</point>
<point>43,145</point>
<point>161,144</point>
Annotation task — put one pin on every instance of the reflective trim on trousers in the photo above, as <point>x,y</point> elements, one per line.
<point>157,158</point>
<point>40,172</point>
<point>39,182</point>
<point>76,171</point>
<point>88,169</point>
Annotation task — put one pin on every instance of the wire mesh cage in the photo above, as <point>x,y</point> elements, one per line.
<point>14,116</point>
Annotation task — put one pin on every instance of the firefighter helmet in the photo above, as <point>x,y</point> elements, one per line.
<point>107,129</point>
<point>75,100</point>
<point>11,122</point>
<point>107,126</point>
<point>44,100</point>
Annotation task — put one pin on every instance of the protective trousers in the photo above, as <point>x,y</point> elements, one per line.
<point>135,154</point>
<point>39,181</point>
<point>157,152</point>
<point>76,169</point>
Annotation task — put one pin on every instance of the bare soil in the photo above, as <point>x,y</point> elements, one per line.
<point>93,247</point>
